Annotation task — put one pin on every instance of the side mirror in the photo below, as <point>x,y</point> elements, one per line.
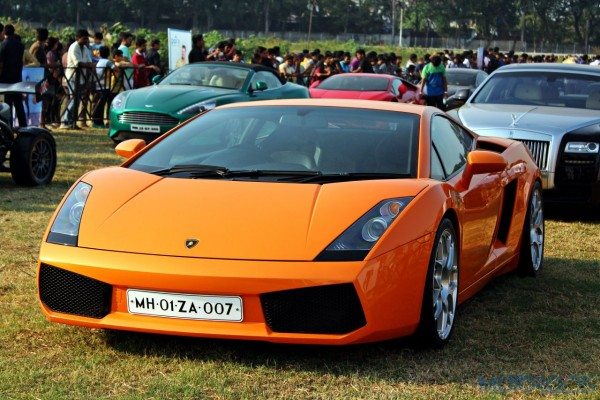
<point>156,79</point>
<point>482,162</point>
<point>129,148</point>
<point>462,94</point>
<point>258,86</point>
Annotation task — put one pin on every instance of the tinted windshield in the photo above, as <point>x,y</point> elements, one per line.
<point>539,88</point>
<point>348,82</point>
<point>208,75</point>
<point>458,78</point>
<point>290,138</point>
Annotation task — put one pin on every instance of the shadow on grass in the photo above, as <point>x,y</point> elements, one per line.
<point>573,212</point>
<point>514,326</point>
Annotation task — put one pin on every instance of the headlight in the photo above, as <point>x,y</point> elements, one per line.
<point>119,101</point>
<point>198,107</point>
<point>65,228</point>
<point>356,242</point>
<point>582,147</point>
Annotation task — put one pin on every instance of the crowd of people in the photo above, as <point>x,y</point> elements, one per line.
<point>86,73</point>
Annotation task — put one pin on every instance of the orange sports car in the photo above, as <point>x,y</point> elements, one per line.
<point>297,221</point>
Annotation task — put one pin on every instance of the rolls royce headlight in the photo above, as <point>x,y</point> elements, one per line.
<point>582,147</point>
<point>65,228</point>
<point>198,107</point>
<point>356,241</point>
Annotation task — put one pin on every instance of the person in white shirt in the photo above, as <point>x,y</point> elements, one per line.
<point>79,60</point>
<point>103,78</point>
<point>287,69</point>
<point>412,60</point>
<point>596,62</point>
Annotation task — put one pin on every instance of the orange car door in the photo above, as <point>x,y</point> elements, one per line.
<point>479,202</point>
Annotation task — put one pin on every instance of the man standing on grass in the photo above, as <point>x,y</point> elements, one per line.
<point>198,52</point>
<point>79,60</point>
<point>434,85</point>
<point>126,40</point>
<point>11,70</point>
<point>153,58</point>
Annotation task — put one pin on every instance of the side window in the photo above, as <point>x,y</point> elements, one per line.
<point>437,172</point>
<point>267,77</point>
<point>451,142</point>
<point>480,78</point>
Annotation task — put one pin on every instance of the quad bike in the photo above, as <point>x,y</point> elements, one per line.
<point>29,154</point>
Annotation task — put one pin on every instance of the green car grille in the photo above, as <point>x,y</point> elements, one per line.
<point>147,118</point>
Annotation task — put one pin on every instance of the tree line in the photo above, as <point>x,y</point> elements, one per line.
<point>552,21</point>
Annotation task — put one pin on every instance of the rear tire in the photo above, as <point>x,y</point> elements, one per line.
<point>440,298</point>
<point>33,158</point>
<point>531,255</point>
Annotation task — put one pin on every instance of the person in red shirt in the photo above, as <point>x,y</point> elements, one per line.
<point>142,69</point>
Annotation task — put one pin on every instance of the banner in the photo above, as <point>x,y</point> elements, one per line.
<point>180,44</point>
<point>33,109</point>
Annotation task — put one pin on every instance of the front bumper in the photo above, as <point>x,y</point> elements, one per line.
<point>389,290</point>
<point>144,125</point>
<point>577,177</point>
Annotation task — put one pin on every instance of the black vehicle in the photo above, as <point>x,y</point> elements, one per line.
<point>461,84</point>
<point>29,154</point>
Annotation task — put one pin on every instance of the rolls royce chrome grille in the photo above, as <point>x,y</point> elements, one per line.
<point>147,118</point>
<point>539,150</point>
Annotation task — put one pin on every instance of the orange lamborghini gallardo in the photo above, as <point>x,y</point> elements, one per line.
<point>297,221</point>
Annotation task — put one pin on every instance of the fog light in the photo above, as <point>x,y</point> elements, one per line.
<point>582,147</point>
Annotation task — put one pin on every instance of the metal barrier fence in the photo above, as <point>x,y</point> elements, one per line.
<point>81,94</point>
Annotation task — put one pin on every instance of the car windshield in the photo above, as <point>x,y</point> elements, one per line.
<point>298,140</point>
<point>541,88</point>
<point>460,78</point>
<point>220,76</point>
<point>349,82</point>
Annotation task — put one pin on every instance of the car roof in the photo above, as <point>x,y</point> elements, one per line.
<point>341,103</point>
<point>550,67</point>
<point>366,75</point>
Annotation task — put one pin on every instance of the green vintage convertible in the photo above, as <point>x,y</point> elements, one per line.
<point>149,112</point>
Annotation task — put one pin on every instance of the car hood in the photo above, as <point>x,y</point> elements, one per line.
<point>348,94</point>
<point>230,219</point>
<point>483,118</point>
<point>171,98</point>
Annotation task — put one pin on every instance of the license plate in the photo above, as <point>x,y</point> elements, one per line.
<point>187,306</point>
<point>145,128</point>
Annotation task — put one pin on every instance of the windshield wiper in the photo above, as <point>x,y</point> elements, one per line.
<point>345,176</point>
<point>215,171</point>
<point>193,170</point>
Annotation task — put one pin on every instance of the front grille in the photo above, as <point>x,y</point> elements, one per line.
<point>70,293</point>
<point>147,118</point>
<point>539,151</point>
<point>331,309</point>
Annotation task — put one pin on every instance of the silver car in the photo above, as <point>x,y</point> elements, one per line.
<point>554,109</point>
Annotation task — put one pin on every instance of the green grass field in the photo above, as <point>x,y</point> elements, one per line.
<point>518,338</point>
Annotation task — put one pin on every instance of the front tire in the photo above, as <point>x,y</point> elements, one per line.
<point>531,255</point>
<point>440,299</point>
<point>33,158</point>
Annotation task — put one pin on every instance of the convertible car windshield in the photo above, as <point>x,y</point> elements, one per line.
<point>309,143</point>
<point>208,75</point>
<point>348,82</point>
<point>540,88</point>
